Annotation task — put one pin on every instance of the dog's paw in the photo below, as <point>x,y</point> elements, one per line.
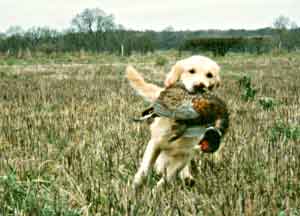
<point>137,181</point>
<point>189,181</point>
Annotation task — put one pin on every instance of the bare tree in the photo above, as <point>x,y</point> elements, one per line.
<point>281,25</point>
<point>169,29</point>
<point>14,30</point>
<point>92,20</point>
<point>105,23</point>
<point>288,33</point>
<point>282,22</point>
<point>294,25</point>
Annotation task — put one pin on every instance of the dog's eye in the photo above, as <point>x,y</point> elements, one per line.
<point>209,75</point>
<point>192,71</point>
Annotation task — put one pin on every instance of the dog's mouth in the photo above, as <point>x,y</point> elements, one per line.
<point>197,90</point>
<point>201,88</point>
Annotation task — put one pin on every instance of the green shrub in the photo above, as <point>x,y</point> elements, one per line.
<point>247,91</point>
<point>267,103</point>
<point>161,61</point>
<point>281,130</point>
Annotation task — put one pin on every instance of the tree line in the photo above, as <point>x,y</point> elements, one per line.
<point>95,31</point>
<point>49,41</point>
<point>221,45</point>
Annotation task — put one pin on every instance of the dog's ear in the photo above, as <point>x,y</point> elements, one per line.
<point>173,75</point>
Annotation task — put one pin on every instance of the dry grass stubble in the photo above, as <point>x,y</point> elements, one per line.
<point>68,145</point>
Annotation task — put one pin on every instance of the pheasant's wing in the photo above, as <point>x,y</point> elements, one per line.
<point>162,110</point>
<point>186,110</point>
<point>176,103</point>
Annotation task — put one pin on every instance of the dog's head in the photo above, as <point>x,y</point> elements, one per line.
<point>196,72</point>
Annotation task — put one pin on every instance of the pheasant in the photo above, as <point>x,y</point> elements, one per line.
<point>201,114</point>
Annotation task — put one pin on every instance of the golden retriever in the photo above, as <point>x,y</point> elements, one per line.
<point>170,158</point>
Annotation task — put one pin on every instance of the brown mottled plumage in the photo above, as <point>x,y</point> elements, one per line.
<point>189,110</point>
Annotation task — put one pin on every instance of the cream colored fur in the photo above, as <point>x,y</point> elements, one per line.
<point>147,90</point>
<point>170,158</point>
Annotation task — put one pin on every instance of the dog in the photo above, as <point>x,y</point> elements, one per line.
<point>169,158</point>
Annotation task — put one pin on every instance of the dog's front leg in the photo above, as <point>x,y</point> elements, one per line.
<point>186,176</point>
<point>151,153</point>
<point>171,172</point>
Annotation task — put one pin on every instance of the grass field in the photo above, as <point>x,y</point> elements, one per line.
<point>68,147</point>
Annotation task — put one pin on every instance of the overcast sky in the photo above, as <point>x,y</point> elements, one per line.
<point>154,14</point>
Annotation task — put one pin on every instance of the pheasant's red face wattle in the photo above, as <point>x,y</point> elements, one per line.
<point>204,145</point>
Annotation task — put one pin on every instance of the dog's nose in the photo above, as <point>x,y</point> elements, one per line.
<point>211,87</point>
<point>199,86</point>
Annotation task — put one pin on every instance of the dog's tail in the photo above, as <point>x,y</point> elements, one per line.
<point>147,90</point>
